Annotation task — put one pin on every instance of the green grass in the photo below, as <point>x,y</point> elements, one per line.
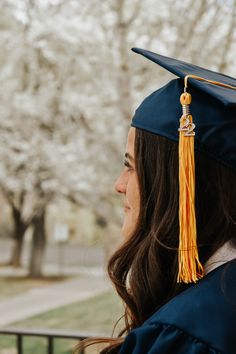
<point>34,345</point>
<point>97,314</point>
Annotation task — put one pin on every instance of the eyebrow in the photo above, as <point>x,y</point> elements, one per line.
<point>128,156</point>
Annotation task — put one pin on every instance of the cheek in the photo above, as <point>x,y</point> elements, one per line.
<point>132,197</point>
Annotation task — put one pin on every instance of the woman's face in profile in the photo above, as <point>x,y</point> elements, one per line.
<point>127,184</point>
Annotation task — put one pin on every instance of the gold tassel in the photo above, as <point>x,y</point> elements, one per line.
<point>190,268</point>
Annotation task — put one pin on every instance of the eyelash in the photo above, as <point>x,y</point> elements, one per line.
<point>127,164</point>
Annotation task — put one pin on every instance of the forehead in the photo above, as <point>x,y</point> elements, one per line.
<point>130,141</point>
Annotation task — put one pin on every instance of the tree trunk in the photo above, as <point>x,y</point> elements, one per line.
<point>19,232</point>
<point>124,77</point>
<point>38,246</point>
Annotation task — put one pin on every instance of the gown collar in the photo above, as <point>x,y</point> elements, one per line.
<point>224,254</point>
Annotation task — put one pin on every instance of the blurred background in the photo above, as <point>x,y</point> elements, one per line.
<point>69,87</point>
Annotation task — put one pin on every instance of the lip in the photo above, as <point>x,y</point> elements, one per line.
<point>126,208</point>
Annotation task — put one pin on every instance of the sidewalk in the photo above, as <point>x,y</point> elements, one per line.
<point>38,300</point>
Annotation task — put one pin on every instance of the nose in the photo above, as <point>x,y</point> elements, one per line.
<point>120,185</point>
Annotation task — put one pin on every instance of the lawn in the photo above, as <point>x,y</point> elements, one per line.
<point>97,314</point>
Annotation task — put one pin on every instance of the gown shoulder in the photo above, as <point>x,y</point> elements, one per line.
<point>200,320</point>
<point>164,339</point>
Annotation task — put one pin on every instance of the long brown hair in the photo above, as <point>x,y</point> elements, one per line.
<point>144,269</point>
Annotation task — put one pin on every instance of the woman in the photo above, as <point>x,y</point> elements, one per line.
<point>179,290</point>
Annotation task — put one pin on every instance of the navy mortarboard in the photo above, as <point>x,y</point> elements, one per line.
<point>206,122</point>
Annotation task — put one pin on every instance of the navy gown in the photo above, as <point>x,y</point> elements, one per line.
<point>200,320</point>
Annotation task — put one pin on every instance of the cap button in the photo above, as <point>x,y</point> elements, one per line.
<point>185,98</point>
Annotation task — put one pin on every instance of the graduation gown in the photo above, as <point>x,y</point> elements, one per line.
<point>200,320</point>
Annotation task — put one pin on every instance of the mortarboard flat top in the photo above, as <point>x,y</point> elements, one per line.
<point>181,69</point>
<point>213,108</point>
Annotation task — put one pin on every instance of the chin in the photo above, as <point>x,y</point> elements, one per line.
<point>129,225</point>
<point>127,231</point>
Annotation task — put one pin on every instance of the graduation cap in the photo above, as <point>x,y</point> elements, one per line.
<point>205,122</point>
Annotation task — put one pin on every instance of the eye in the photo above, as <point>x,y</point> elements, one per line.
<point>127,164</point>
